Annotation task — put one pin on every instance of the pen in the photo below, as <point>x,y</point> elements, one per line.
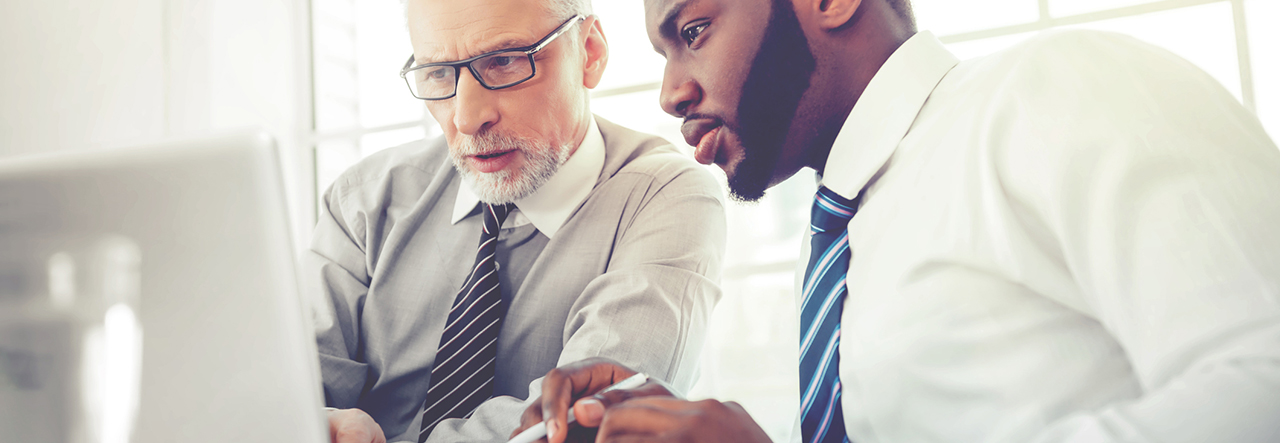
<point>540,430</point>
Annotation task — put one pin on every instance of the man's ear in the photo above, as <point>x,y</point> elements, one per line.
<point>828,14</point>
<point>597,50</point>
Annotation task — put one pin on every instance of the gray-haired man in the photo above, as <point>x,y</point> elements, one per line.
<point>610,240</point>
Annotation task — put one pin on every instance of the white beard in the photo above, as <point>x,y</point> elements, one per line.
<point>506,186</point>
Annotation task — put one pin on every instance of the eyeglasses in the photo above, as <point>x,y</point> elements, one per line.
<point>494,70</point>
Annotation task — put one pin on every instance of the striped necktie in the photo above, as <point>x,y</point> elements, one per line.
<point>462,376</point>
<point>822,418</point>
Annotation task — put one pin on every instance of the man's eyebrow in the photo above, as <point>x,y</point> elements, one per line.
<point>501,45</point>
<point>484,49</point>
<point>668,27</point>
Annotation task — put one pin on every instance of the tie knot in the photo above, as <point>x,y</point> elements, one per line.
<point>494,215</point>
<point>831,211</point>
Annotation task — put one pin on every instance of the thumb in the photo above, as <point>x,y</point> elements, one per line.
<point>589,411</point>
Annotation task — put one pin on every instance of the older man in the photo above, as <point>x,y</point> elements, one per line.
<point>1073,240</point>
<point>593,240</point>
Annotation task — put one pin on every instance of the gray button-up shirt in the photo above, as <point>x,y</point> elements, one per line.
<point>630,275</point>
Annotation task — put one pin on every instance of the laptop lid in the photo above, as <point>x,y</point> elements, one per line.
<point>190,242</point>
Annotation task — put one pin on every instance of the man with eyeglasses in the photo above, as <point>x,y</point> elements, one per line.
<point>456,272</point>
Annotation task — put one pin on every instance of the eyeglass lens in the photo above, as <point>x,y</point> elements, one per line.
<point>495,71</point>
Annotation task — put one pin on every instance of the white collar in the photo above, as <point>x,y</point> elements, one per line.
<point>885,112</point>
<point>551,204</point>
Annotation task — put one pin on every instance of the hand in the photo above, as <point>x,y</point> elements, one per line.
<point>353,426</point>
<point>567,385</point>
<point>665,419</point>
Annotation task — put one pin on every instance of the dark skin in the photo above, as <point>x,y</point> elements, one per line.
<point>850,40</point>
<point>709,46</point>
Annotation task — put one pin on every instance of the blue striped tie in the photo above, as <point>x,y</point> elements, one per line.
<point>462,376</point>
<point>822,418</point>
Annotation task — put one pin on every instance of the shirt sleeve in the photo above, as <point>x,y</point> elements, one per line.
<point>649,310</point>
<point>335,271</point>
<point>1160,191</point>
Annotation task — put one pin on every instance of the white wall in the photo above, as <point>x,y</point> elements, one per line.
<point>81,74</point>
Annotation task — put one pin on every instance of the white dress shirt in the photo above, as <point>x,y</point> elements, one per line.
<point>1074,240</point>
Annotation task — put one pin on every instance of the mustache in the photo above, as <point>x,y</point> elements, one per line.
<point>700,116</point>
<point>491,141</point>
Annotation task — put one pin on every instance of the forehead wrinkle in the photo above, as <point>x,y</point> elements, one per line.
<point>502,44</point>
<point>472,43</point>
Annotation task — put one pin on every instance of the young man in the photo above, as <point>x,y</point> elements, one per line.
<point>593,240</point>
<point>1072,240</point>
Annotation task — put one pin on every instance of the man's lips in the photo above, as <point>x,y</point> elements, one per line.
<point>492,154</point>
<point>701,134</point>
<point>492,161</point>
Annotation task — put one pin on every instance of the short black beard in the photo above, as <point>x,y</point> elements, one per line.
<point>779,76</point>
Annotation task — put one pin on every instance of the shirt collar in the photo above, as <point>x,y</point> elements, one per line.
<point>885,112</point>
<point>551,204</point>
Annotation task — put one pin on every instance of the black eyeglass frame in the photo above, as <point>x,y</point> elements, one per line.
<point>528,51</point>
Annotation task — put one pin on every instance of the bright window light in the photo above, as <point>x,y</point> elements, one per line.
<point>1063,8</point>
<point>1212,46</point>
<point>378,141</point>
<point>359,49</point>
<point>1264,51</point>
<point>382,46</point>
<point>632,60</point>
<point>945,17</point>
<point>977,48</point>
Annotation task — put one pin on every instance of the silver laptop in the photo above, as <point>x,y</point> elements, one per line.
<point>149,295</point>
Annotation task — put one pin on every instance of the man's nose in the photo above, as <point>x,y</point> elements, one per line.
<point>474,106</point>
<point>679,94</point>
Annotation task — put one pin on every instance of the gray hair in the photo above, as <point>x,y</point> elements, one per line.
<point>558,9</point>
<point>563,9</point>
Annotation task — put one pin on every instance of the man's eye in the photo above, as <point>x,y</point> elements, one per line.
<point>438,74</point>
<point>690,33</point>
<point>504,60</point>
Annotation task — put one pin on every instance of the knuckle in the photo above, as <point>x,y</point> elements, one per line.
<point>555,374</point>
<point>714,406</point>
<point>737,409</point>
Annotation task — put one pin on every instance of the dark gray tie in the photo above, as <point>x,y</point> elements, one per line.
<point>462,376</point>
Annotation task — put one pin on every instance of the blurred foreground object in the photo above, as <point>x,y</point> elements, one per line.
<point>71,359</point>
<point>187,241</point>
